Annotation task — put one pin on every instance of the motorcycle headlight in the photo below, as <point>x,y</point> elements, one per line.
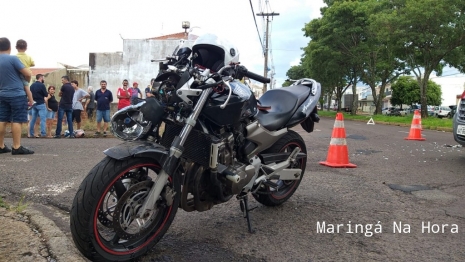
<point>129,123</point>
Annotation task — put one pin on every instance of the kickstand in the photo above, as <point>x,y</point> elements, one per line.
<point>245,209</point>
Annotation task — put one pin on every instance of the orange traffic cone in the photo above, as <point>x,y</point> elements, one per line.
<point>415,128</point>
<point>338,154</point>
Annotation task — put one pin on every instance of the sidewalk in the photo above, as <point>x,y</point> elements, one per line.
<point>30,236</point>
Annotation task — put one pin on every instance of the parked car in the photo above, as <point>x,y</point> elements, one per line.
<point>404,112</point>
<point>459,121</point>
<point>411,109</point>
<point>442,111</point>
<point>453,109</point>
<point>394,112</point>
<point>430,110</point>
<point>387,110</point>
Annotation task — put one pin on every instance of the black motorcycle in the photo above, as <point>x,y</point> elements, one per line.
<point>201,140</point>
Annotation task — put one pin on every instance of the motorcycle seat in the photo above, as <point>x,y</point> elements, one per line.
<point>281,104</point>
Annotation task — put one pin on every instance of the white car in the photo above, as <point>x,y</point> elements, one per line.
<point>404,112</point>
<point>442,111</point>
<point>387,110</point>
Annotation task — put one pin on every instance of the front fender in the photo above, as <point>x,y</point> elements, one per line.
<point>137,149</point>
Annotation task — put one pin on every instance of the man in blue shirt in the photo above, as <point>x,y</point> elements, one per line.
<point>103,98</point>
<point>13,98</point>
<point>39,93</point>
<point>66,106</point>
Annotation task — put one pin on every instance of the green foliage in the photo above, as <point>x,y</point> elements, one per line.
<point>375,41</point>
<point>294,73</point>
<point>287,83</point>
<point>427,35</point>
<point>3,204</point>
<point>433,123</point>
<point>433,93</point>
<point>349,46</point>
<point>18,208</point>
<point>406,90</point>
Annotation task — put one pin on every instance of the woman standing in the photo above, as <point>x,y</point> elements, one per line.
<point>52,108</point>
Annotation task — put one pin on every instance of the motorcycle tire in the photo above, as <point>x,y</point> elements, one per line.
<point>271,197</point>
<point>109,236</point>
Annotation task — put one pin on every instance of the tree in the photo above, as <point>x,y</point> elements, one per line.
<point>406,90</point>
<point>327,67</point>
<point>294,73</point>
<point>339,33</point>
<point>380,66</point>
<point>433,94</point>
<point>428,34</point>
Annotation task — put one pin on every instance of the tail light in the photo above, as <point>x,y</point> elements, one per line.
<point>463,95</point>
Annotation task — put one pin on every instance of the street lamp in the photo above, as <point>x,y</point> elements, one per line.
<point>186,25</point>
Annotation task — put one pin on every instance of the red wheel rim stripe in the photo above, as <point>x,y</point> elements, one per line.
<point>97,235</point>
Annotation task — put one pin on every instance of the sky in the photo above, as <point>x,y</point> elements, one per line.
<point>67,31</point>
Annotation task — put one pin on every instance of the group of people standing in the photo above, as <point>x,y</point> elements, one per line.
<point>15,95</point>
<point>17,100</point>
<point>73,102</point>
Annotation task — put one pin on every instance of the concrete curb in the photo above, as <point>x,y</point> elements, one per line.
<point>60,247</point>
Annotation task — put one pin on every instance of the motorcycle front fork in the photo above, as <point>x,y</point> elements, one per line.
<point>172,160</point>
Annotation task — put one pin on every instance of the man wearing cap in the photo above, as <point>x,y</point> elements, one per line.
<point>135,91</point>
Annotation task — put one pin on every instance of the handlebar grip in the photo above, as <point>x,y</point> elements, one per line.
<point>259,78</point>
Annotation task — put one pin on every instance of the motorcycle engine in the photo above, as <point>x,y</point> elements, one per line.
<point>226,150</point>
<point>236,175</point>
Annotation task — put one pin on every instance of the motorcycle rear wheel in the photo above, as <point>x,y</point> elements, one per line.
<point>271,197</point>
<point>102,219</point>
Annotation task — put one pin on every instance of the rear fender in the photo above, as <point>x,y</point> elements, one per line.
<point>308,107</point>
<point>137,149</point>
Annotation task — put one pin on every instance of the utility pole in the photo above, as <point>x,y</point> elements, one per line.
<point>266,43</point>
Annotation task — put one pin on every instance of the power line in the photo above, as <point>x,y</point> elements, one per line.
<point>292,50</point>
<point>272,73</point>
<point>267,34</point>
<point>268,6</point>
<point>253,14</point>
<point>446,75</point>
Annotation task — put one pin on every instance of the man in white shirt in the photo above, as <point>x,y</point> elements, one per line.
<point>79,95</point>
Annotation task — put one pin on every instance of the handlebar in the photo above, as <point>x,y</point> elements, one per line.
<point>241,70</point>
<point>259,78</point>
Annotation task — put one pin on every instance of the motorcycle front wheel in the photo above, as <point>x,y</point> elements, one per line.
<point>103,217</point>
<point>274,197</point>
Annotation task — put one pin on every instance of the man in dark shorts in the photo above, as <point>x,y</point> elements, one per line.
<point>14,98</point>
<point>103,98</point>
<point>90,103</point>
<point>79,95</point>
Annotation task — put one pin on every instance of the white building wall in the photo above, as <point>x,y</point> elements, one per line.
<point>451,86</point>
<point>132,64</point>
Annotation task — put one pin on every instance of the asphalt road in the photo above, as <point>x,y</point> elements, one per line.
<point>397,184</point>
